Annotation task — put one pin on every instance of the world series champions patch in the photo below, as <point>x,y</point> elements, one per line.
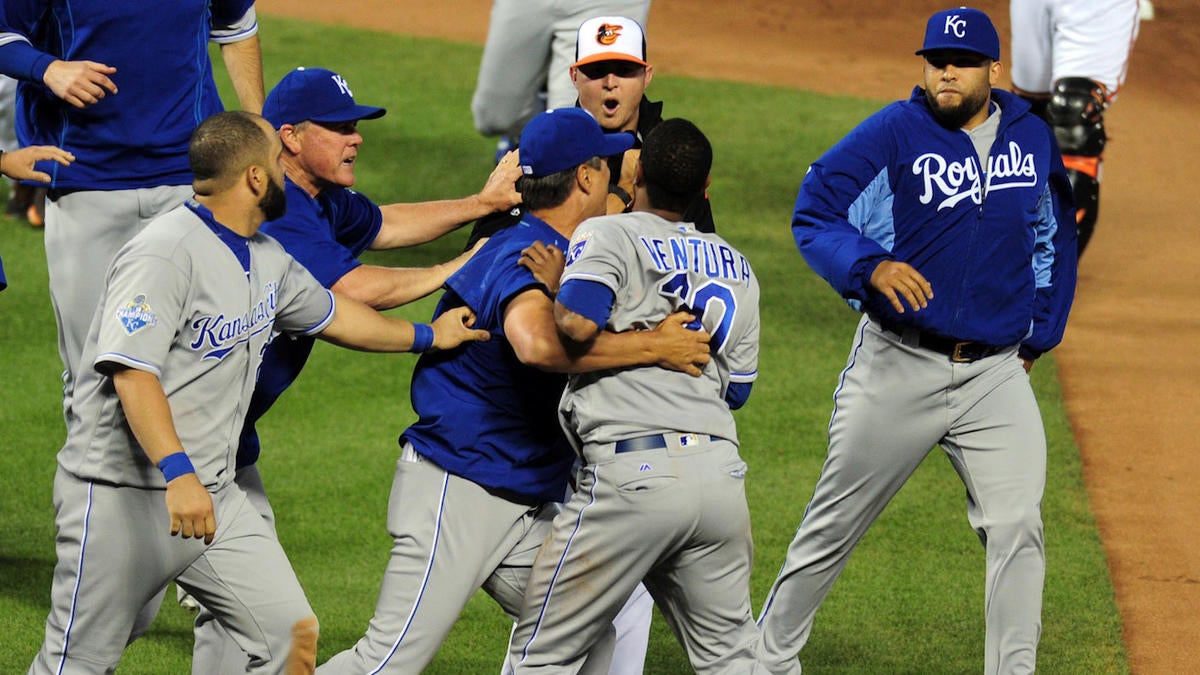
<point>136,315</point>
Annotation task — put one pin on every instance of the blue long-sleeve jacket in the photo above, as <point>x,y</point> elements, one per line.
<point>139,136</point>
<point>1001,261</point>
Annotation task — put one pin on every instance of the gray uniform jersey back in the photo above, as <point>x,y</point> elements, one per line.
<point>178,303</point>
<point>655,267</point>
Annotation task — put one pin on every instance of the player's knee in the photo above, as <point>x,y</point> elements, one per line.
<point>1076,113</point>
<point>1016,530</point>
<point>302,654</point>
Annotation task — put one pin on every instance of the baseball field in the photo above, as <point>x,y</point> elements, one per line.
<point>911,598</point>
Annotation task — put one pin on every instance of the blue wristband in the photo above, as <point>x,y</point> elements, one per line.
<point>422,337</point>
<point>174,466</point>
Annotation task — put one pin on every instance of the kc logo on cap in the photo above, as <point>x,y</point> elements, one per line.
<point>962,29</point>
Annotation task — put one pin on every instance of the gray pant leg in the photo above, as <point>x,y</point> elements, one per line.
<point>887,417</point>
<point>245,579</point>
<point>114,554</point>
<point>215,650</point>
<point>84,231</point>
<point>595,559</point>
<point>513,68</point>
<point>998,447</point>
<point>450,536</point>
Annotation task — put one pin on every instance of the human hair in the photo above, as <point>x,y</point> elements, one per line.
<point>223,146</point>
<point>545,192</point>
<point>676,160</point>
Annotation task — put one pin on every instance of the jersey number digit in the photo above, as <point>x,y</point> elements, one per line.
<point>713,304</point>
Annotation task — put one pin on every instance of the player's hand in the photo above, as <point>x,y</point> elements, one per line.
<point>546,263</point>
<point>898,280</point>
<point>681,347</point>
<point>191,508</point>
<point>18,164</point>
<point>453,328</point>
<point>1026,363</point>
<point>499,193</point>
<point>625,181</point>
<point>80,83</point>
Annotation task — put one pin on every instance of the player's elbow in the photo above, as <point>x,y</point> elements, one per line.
<point>542,352</point>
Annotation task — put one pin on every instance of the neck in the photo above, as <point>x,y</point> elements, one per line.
<point>292,169</point>
<point>641,202</point>
<point>233,214</point>
<point>565,217</point>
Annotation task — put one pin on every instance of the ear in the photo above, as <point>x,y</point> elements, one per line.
<point>257,179</point>
<point>583,178</point>
<point>291,137</point>
<point>649,76</point>
<point>639,176</point>
<point>994,73</point>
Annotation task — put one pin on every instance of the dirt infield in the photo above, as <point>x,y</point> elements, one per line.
<point>1130,363</point>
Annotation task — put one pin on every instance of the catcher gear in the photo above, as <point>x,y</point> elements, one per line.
<point>1076,113</point>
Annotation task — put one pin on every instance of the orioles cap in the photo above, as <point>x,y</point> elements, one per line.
<point>610,38</point>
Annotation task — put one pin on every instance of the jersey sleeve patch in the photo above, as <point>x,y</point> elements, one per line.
<point>577,247</point>
<point>136,315</point>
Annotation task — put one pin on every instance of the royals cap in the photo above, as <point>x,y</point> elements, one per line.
<point>563,138</point>
<point>962,28</point>
<point>317,95</point>
<point>610,38</point>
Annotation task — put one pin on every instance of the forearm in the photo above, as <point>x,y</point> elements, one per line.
<point>417,223</point>
<point>243,61</point>
<point>356,326</point>
<point>388,287</point>
<point>148,413</point>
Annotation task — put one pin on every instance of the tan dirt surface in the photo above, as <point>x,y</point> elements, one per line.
<point>1131,358</point>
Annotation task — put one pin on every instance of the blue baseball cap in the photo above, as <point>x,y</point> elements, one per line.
<point>563,138</point>
<point>964,29</point>
<point>317,95</point>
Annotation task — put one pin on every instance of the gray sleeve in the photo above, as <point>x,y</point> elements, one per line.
<point>742,354</point>
<point>304,305</point>
<point>144,302</point>
<point>599,253</point>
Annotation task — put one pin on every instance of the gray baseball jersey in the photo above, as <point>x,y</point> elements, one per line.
<point>655,267</point>
<point>176,306</point>
<point>661,451</point>
<point>195,304</point>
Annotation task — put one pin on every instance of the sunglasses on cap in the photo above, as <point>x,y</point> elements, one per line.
<point>599,69</point>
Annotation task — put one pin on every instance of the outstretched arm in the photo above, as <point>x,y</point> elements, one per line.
<point>356,326</point>
<point>417,223</point>
<point>243,60</point>
<point>388,287</point>
<point>149,415</point>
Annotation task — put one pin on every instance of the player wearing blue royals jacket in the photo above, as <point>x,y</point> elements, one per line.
<point>481,470</point>
<point>948,219</point>
<point>121,86</point>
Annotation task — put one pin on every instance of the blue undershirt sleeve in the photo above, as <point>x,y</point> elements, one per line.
<point>590,299</point>
<point>737,394</point>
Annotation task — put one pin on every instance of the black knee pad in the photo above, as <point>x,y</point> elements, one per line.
<point>1076,113</point>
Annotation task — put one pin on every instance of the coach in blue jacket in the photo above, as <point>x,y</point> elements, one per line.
<point>947,219</point>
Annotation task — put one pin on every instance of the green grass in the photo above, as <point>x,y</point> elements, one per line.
<point>911,599</point>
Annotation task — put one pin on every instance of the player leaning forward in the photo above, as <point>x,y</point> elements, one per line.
<point>188,307</point>
<point>661,496</point>
<point>947,219</point>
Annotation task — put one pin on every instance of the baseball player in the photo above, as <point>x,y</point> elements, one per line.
<point>661,496</point>
<point>530,45</point>
<point>88,85</point>
<point>326,227</point>
<point>188,307</point>
<point>481,470</point>
<point>946,218</point>
<point>610,74</point>
<point>1069,59</point>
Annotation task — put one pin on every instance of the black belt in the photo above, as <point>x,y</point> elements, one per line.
<point>653,442</point>
<point>959,351</point>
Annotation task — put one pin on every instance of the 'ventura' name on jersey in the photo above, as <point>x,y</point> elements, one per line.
<point>697,255</point>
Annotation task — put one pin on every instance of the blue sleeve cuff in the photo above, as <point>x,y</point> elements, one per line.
<point>590,299</point>
<point>21,60</point>
<point>737,394</point>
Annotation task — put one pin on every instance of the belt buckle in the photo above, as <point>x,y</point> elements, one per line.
<point>957,355</point>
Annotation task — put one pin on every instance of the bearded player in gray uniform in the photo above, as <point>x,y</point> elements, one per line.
<point>188,308</point>
<point>661,496</point>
